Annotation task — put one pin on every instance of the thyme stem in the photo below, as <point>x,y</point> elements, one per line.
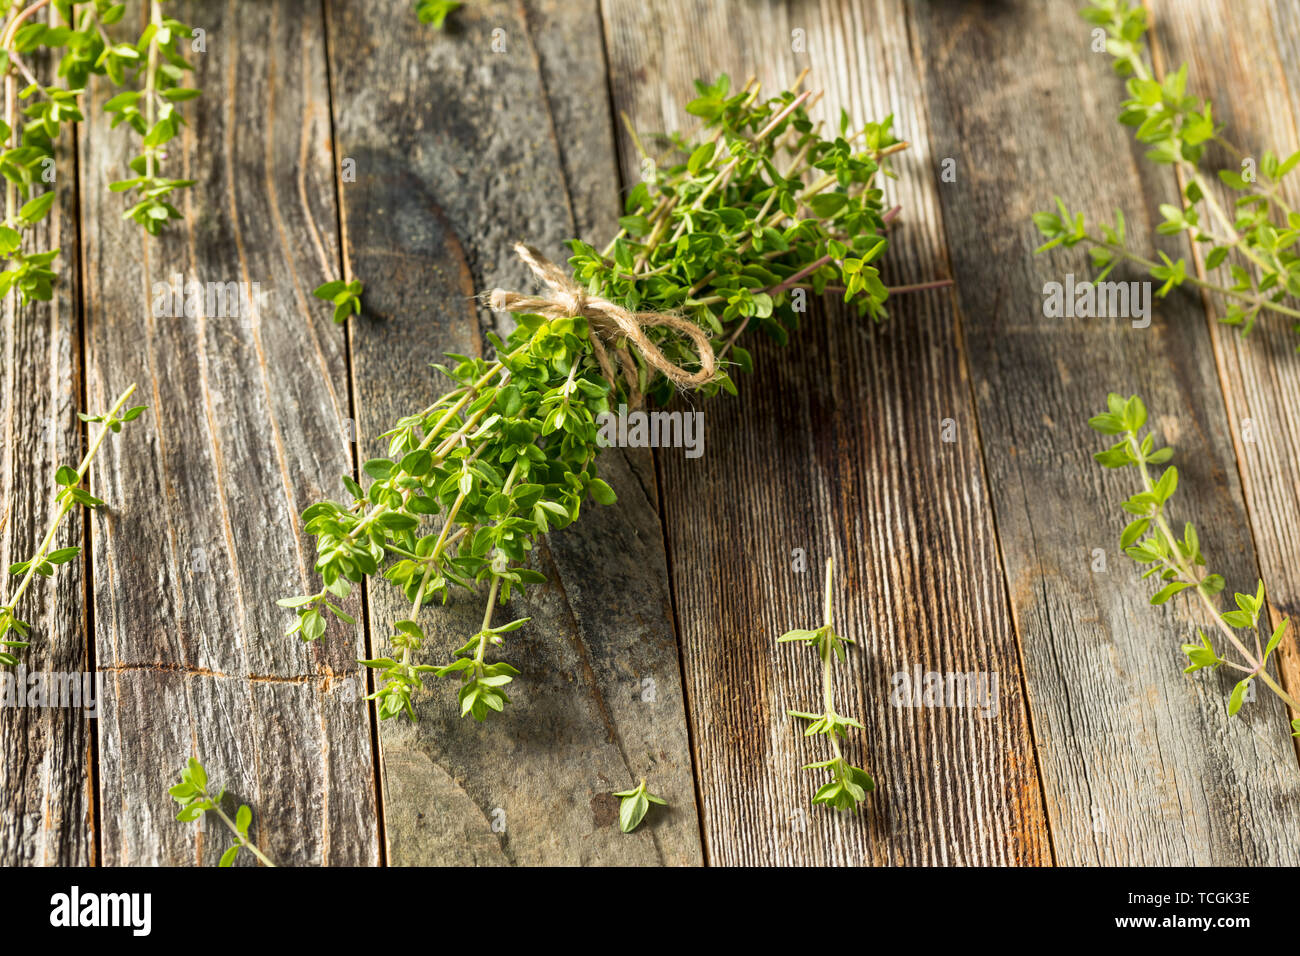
<point>481,650</point>
<point>151,83</point>
<point>827,654</point>
<point>1257,301</point>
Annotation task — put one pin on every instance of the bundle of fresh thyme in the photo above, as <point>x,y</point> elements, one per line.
<point>1263,229</point>
<point>759,211</point>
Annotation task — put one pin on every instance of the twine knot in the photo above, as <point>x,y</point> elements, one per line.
<point>607,320</point>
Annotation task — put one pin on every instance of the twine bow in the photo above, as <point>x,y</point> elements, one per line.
<point>608,320</point>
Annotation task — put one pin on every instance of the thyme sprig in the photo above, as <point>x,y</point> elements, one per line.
<point>343,295</point>
<point>1254,244</point>
<point>153,67</point>
<point>195,800</point>
<point>734,230</point>
<point>1149,539</point>
<point>69,494</point>
<point>151,111</point>
<point>849,785</point>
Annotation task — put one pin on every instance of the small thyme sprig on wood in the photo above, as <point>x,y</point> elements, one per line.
<point>77,32</point>
<point>1262,230</point>
<point>70,494</point>
<point>634,804</point>
<point>848,785</point>
<point>1149,539</point>
<point>192,794</point>
<point>733,232</point>
<point>344,296</point>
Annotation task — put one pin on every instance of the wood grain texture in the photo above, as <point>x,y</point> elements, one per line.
<point>970,555</point>
<point>1249,70</point>
<point>462,148</point>
<point>1141,765</point>
<point>836,446</point>
<point>247,426</point>
<point>45,754</point>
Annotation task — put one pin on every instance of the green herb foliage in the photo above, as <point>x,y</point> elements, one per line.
<point>1253,247</point>
<point>726,235</point>
<point>195,800</point>
<point>344,296</point>
<point>435,12</point>
<point>151,70</point>
<point>849,785</point>
<point>1177,562</point>
<point>68,494</point>
<point>633,806</point>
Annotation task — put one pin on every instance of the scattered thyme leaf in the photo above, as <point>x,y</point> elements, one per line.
<point>345,296</point>
<point>634,805</point>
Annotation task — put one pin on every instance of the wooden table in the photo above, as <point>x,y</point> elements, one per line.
<point>942,458</point>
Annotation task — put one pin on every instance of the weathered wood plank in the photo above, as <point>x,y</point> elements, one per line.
<point>246,428</point>
<point>46,807</point>
<point>836,446</point>
<point>1244,58</point>
<point>1140,764</point>
<point>462,148</point>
